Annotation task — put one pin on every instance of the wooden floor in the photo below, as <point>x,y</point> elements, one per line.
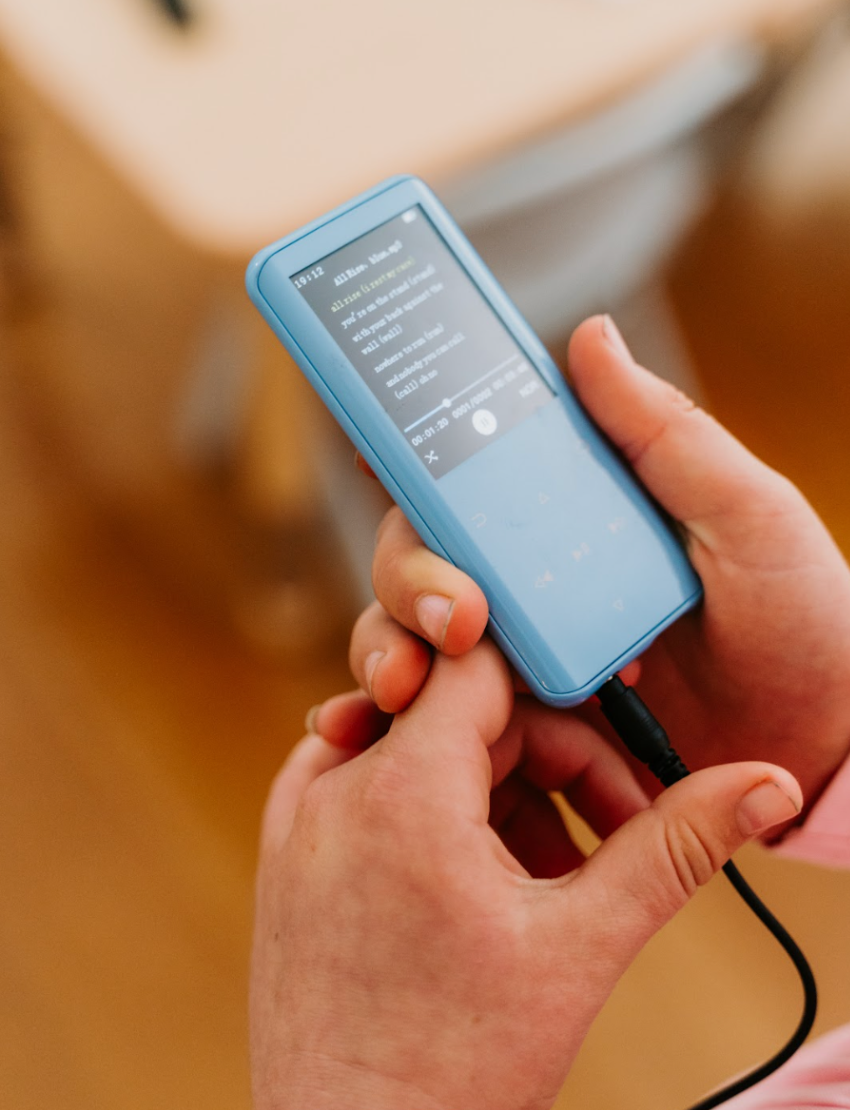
<point>138,735</point>
<point>138,739</point>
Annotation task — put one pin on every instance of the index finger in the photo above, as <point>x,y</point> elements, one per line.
<point>423,592</point>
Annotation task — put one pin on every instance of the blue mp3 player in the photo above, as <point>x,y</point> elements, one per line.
<point>464,417</point>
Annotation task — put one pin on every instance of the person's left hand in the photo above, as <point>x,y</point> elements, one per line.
<point>424,943</point>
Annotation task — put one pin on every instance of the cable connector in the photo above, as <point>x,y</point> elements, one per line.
<point>640,731</point>
<point>647,741</point>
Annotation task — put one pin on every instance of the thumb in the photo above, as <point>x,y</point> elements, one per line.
<point>441,742</point>
<point>644,873</point>
<point>696,469</point>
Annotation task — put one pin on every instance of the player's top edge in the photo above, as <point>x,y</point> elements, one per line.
<point>261,257</point>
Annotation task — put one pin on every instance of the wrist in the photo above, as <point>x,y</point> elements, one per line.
<point>324,1084</point>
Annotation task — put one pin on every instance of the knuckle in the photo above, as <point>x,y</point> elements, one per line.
<point>390,565</point>
<point>389,572</point>
<point>693,858</point>
<point>366,618</point>
<point>363,632</point>
<point>382,794</point>
<point>318,798</point>
<point>388,529</point>
<point>676,407</point>
<point>311,817</point>
<point>366,806</point>
<point>680,403</point>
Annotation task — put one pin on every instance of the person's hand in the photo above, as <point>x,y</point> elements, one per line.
<point>760,671</point>
<point>404,954</point>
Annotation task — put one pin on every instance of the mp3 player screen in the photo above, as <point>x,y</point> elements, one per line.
<point>406,315</point>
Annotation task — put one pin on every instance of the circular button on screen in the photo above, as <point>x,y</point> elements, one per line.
<point>484,421</point>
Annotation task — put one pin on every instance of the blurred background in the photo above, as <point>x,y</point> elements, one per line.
<point>184,541</point>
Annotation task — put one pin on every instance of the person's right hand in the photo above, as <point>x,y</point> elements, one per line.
<point>760,671</point>
<point>427,935</point>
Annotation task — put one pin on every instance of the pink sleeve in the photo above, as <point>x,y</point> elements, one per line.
<point>817,1078</point>
<point>825,835</point>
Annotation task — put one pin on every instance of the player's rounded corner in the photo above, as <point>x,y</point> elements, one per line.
<point>256,264</point>
<point>567,695</point>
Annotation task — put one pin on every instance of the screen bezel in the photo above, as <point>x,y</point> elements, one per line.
<point>319,354</point>
<point>491,346</point>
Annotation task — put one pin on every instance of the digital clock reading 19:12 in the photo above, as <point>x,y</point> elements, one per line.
<point>310,275</point>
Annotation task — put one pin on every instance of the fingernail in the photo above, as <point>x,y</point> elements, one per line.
<point>311,718</point>
<point>615,340</point>
<point>370,666</point>
<point>766,804</point>
<point>433,612</point>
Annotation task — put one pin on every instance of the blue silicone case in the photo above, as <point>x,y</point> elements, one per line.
<point>580,569</point>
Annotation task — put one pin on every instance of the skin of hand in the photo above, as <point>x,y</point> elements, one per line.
<point>760,671</point>
<point>427,936</point>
